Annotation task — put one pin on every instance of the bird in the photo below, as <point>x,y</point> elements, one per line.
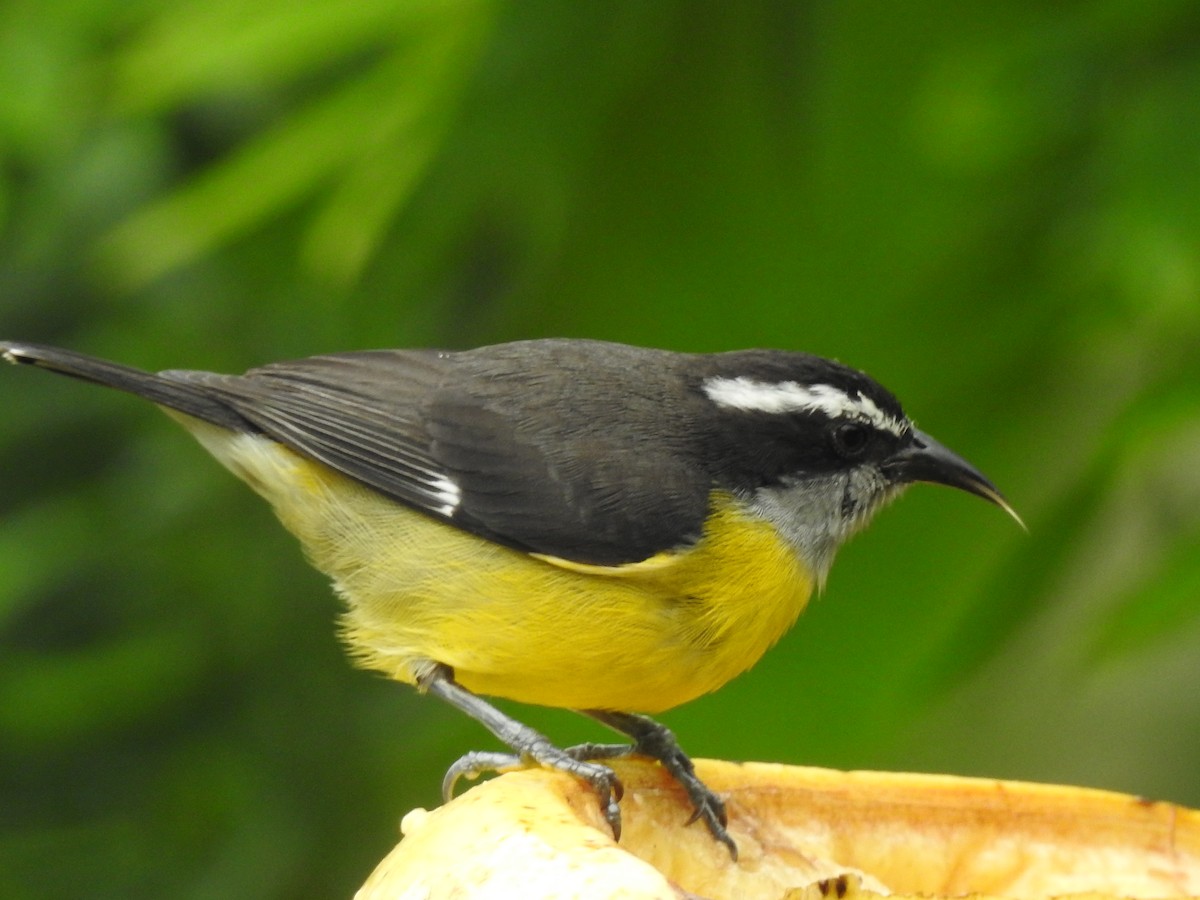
<point>569,523</point>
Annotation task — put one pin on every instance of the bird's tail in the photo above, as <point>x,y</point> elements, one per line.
<point>185,396</point>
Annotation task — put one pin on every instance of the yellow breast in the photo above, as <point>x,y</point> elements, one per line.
<point>641,637</point>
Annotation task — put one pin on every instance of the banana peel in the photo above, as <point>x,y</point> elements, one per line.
<point>802,834</point>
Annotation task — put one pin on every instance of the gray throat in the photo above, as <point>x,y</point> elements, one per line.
<point>816,515</point>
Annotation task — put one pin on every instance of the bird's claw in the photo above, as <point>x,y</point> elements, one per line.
<point>601,778</point>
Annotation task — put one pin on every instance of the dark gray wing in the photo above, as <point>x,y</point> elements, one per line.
<point>510,443</point>
<point>357,413</point>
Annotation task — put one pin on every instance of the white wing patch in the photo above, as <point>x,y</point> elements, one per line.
<point>791,396</point>
<point>448,492</point>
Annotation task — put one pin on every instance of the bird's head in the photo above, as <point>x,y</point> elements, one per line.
<point>817,448</point>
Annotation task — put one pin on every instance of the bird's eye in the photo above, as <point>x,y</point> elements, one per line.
<point>850,439</point>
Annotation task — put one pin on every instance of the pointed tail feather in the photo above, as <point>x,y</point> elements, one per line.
<point>184,396</point>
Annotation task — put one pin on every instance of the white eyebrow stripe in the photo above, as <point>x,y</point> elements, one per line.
<point>790,396</point>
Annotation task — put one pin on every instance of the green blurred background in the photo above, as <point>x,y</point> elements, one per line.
<point>994,209</point>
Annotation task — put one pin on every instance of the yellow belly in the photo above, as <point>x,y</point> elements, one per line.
<point>643,637</point>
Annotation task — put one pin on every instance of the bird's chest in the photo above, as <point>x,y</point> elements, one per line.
<point>736,593</point>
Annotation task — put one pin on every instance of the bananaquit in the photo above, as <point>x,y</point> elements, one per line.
<point>570,523</point>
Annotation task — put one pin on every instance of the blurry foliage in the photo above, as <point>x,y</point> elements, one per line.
<point>355,101</point>
<point>992,209</point>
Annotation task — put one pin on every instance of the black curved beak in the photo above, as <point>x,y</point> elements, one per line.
<point>924,459</point>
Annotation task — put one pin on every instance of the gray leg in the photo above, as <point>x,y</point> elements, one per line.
<point>656,741</point>
<point>526,744</point>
